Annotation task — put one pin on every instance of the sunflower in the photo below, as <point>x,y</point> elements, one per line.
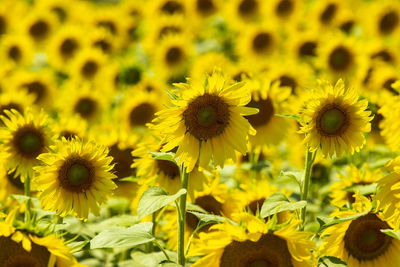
<point>167,7</point>
<point>206,121</point>
<point>160,172</point>
<point>325,13</point>
<point>103,40</point>
<point>389,125</point>
<point>16,99</point>
<point>204,64</point>
<point>383,77</point>
<point>203,9</point>
<point>335,120</point>
<point>75,178</point>
<point>340,193</point>
<point>9,184</point>
<point>384,18</point>
<point>20,248</point>
<point>239,12</point>
<point>61,9</point>
<point>39,25</point>
<point>359,241</point>
<point>214,199</point>
<point>69,126</point>
<point>87,65</point>
<point>303,44</point>
<point>253,243</point>
<point>17,48</point>
<point>25,136</point>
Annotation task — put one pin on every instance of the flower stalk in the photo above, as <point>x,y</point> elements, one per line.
<point>305,184</point>
<point>181,218</point>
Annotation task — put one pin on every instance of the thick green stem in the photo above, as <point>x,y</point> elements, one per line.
<point>181,218</point>
<point>305,185</point>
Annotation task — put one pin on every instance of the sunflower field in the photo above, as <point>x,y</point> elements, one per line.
<point>204,133</point>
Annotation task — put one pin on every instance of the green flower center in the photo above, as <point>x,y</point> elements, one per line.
<point>332,120</point>
<point>76,174</point>
<point>29,141</point>
<point>206,116</point>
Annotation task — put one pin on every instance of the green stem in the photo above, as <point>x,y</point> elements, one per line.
<point>306,184</point>
<point>27,191</point>
<point>162,249</point>
<point>181,218</point>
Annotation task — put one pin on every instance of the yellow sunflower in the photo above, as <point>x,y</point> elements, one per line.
<point>24,137</point>
<point>9,184</point>
<point>87,65</point>
<point>17,48</point>
<point>253,243</point>
<point>12,98</point>
<point>39,25</point>
<point>70,125</point>
<point>20,248</point>
<point>335,120</point>
<point>204,64</point>
<point>360,242</point>
<point>364,176</point>
<point>74,178</point>
<point>384,18</point>
<point>206,121</point>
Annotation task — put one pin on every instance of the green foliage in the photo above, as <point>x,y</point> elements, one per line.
<point>329,261</point>
<point>278,202</point>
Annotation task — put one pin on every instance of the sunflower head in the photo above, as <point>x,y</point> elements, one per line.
<point>335,120</point>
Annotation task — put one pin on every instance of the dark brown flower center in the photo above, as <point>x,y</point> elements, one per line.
<point>89,69</point>
<point>168,168</point>
<point>174,56</point>
<point>131,75</point>
<point>60,12</point>
<point>141,114</point>
<point>14,255</point>
<point>206,116</point>
<point>340,59</point>
<point>15,180</point>
<point>38,89</point>
<point>76,174</point>
<point>68,48</point>
<point>262,42</point>
<point>388,22</point>
<point>308,48</point>
<point>256,205</point>
<point>172,7</point>
<point>286,80</point>
<point>269,250</point>
<point>284,8</point>
<point>205,7</point>
<point>209,204</point>
<point>122,158</point>
<point>108,25</point>
<point>332,120</point>
<point>347,26</point>
<point>104,45</point>
<point>328,14</point>
<point>248,8</point>
<point>364,240</point>
<point>350,194</point>
<point>15,53</point>
<point>39,30</point>
<point>169,29</point>
<point>68,134</point>
<point>28,141</point>
<point>383,55</point>
<point>265,112</point>
<point>86,107</point>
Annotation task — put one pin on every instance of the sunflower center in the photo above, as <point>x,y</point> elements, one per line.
<point>262,42</point>
<point>29,141</point>
<point>206,116</point>
<point>174,55</point>
<point>388,22</point>
<point>76,174</point>
<point>364,240</point>
<point>104,45</point>
<point>284,8</point>
<point>131,75</point>
<point>14,255</point>
<point>328,14</point>
<point>265,112</point>
<point>39,30</point>
<point>256,205</point>
<point>172,7</point>
<point>332,121</point>
<point>347,26</point>
<point>38,89</point>
<point>308,49</point>
<point>141,114</point>
<point>123,160</point>
<point>269,250</point>
<point>108,25</point>
<point>15,53</point>
<point>209,204</point>
<point>3,25</point>
<point>86,107</point>
<point>340,59</point>
<point>68,48</point>
<point>248,8</point>
<point>170,169</point>
<point>15,180</point>
<point>205,7</point>
<point>288,81</point>
<point>89,69</point>
<point>170,29</point>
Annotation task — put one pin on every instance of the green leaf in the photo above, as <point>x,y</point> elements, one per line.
<point>278,202</point>
<point>124,237</point>
<point>391,233</point>
<point>294,176</point>
<point>163,156</point>
<point>154,199</point>
<point>20,198</point>
<point>207,218</point>
<point>329,261</point>
<point>327,222</point>
<point>364,189</point>
<point>290,116</point>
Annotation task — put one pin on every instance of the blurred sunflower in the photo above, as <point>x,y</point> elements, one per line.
<point>39,25</point>
<point>384,19</point>
<point>360,242</point>
<point>253,243</point>
<point>74,178</point>
<point>12,98</point>
<point>167,7</point>
<point>335,120</point>
<point>25,136</point>
<point>87,65</point>
<point>17,48</point>
<point>206,121</point>
<point>69,126</point>
<point>389,125</point>
<point>10,184</point>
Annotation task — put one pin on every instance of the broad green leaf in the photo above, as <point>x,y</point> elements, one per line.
<point>329,261</point>
<point>207,218</point>
<point>154,199</point>
<point>20,198</point>
<point>327,222</point>
<point>391,233</point>
<point>194,207</point>
<point>278,202</point>
<point>152,259</point>
<point>124,237</point>
<point>293,176</point>
<point>163,156</point>
<point>290,116</point>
